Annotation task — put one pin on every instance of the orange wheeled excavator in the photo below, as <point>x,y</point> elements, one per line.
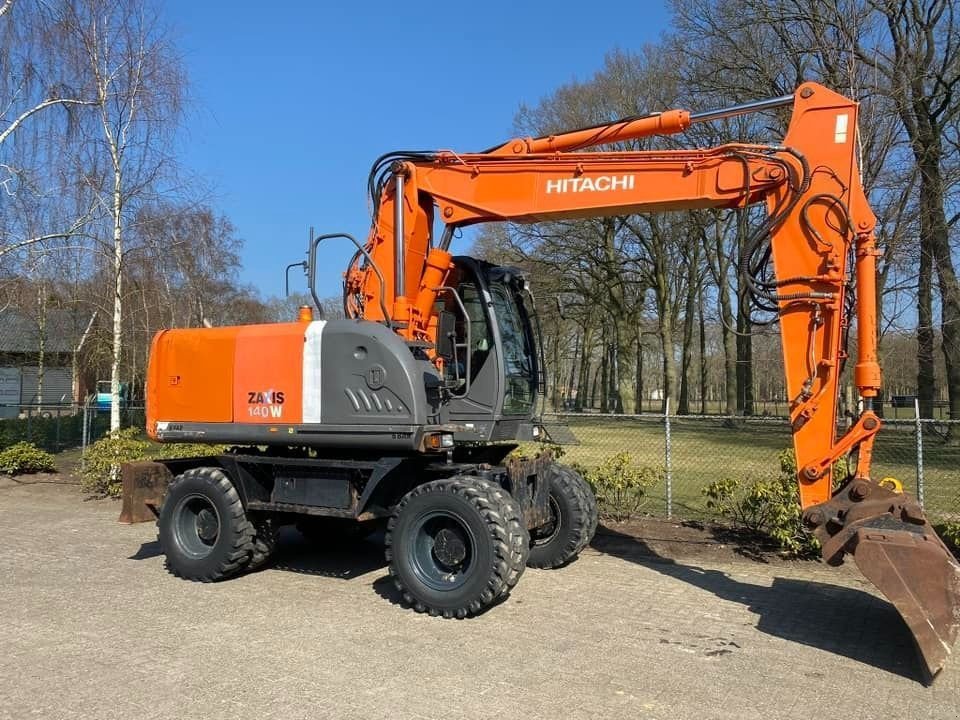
<point>405,411</point>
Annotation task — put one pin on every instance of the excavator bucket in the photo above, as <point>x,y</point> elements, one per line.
<point>919,576</point>
<point>898,551</point>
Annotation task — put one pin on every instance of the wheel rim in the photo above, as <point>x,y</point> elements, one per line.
<point>443,550</point>
<point>546,533</point>
<point>196,526</point>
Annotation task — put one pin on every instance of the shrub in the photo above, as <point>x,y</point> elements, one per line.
<point>769,506</point>
<point>620,486</point>
<point>102,461</point>
<point>23,458</point>
<point>527,450</point>
<point>950,533</point>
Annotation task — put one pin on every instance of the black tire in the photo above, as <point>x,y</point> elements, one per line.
<point>574,512</point>
<point>266,534</point>
<point>456,546</point>
<point>203,529</point>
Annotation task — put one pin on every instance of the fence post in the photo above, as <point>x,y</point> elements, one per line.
<point>83,442</point>
<point>669,473</point>
<point>916,407</point>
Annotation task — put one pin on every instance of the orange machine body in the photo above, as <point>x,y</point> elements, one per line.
<point>250,374</point>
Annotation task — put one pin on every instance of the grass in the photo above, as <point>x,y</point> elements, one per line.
<point>706,449</point>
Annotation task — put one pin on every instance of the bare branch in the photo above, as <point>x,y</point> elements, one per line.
<point>37,108</point>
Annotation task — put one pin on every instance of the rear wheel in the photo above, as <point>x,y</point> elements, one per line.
<point>573,521</point>
<point>456,546</point>
<point>203,529</point>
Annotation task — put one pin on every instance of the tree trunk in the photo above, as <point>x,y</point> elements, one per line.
<point>571,381</point>
<point>703,356</point>
<point>616,399</point>
<point>604,373</point>
<point>557,387</point>
<point>638,389</point>
<point>593,385</point>
<point>925,370</point>
<point>938,238</point>
<point>689,314</point>
<point>722,269</point>
<point>41,338</point>
<point>583,385</point>
<point>117,298</point>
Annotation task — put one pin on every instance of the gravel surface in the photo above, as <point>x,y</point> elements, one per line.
<point>91,626</point>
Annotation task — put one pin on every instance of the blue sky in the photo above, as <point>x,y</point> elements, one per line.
<point>292,101</point>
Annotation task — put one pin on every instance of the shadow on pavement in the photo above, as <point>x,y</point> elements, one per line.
<point>147,550</point>
<point>840,620</point>
<point>345,558</point>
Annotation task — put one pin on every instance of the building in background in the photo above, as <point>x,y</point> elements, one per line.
<point>26,346</point>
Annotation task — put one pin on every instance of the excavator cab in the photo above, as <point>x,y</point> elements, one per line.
<point>493,366</point>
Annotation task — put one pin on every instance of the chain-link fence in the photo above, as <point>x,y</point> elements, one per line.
<point>690,452</point>
<point>686,453</point>
<point>56,427</point>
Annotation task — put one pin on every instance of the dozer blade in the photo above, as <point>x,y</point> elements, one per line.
<point>920,577</point>
<point>898,551</point>
<point>144,484</point>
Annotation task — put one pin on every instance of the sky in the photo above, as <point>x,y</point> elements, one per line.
<point>290,102</point>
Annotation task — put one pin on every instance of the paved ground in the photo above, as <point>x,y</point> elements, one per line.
<point>92,627</point>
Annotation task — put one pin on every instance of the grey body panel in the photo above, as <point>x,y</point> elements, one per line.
<point>370,377</point>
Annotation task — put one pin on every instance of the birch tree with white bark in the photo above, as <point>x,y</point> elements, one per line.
<point>137,80</point>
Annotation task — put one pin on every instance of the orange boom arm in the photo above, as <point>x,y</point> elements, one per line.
<point>817,212</point>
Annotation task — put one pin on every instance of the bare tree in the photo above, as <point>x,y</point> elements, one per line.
<point>922,71</point>
<point>137,79</point>
<point>42,99</point>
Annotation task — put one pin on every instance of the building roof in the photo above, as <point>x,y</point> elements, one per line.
<point>20,332</point>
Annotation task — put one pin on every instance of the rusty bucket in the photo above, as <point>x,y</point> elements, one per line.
<point>897,550</point>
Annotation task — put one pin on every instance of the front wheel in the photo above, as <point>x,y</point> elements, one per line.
<point>203,529</point>
<point>573,520</point>
<point>456,546</point>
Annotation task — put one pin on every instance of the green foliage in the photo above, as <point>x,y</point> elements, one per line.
<point>23,458</point>
<point>768,506</point>
<point>620,486</point>
<point>527,450</point>
<point>46,432</point>
<point>102,461</point>
<point>558,450</point>
<point>950,534</point>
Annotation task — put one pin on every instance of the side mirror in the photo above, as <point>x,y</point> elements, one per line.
<point>446,335</point>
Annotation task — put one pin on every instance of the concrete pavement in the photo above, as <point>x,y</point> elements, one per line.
<point>91,626</point>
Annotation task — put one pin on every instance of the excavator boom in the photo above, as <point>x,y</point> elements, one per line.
<point>819,235</point>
